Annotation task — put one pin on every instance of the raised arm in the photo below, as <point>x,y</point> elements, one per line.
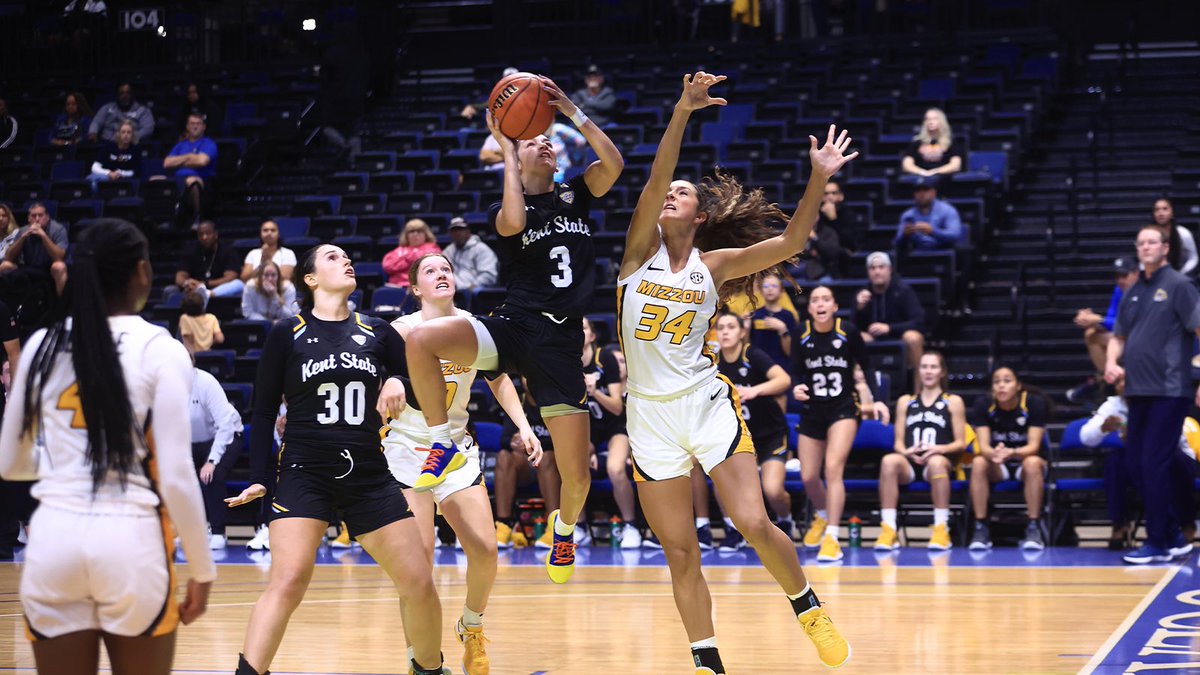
<point>511,219</point>
<point>642,238</point>
<point>605,171</point>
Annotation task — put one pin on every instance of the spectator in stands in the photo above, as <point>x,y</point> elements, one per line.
<point>196,103</point>
<point>490,155</point>
<point>208,265</point>
<point>1155,333</point>
<point>215,425</point>
<point>890,309</point>
<point>39,251</point>
<point>9,230</point>
<point>839,217</point>
<point>8,126</point>
<point>194,162</point>
<point>72,124</point>
<point>268,296</point>
<point>1097,330</point>
<point>1183,255</point>
<point>1010,428</point>
<point>415,241</point>
<point>596,100</point>
<point>823,257</point>
<point>116,159</point>
<point>931,223</point>
<point>932,151</point>
<point>272,250</point>
<point>199,330</point>
<point>110,115</point>
<point>566,142</point>
<point>475,264</point>
<point>772,324</point>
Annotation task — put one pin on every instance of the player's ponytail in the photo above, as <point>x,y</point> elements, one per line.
<point>304,292</point>
<point>103,261</point>
<point>737,219</point>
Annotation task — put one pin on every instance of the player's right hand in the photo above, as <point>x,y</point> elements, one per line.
<point>195,602</point>
<point>252,492</point>
<point>800,392</point>
<point>695,91</point>
<point>530,444</point>
<point>506,143</point>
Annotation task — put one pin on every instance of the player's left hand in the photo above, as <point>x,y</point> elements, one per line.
<point>252,492</point>
<point>830,159</point>
<point>800,392</point>
<point>206,472</point>
<point>558,98</point>
<point>391,399</point>
<point>531,445</point>
<point>746,393</point>
<point>195,602</point>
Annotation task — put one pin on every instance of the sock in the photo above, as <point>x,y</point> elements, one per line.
<point>244,667</point>
<point>418,669</point>
<point>832,531</point>
<point>823,514</point>
<point>888,516</point>
<point>729,524</point>
<point>471,618</point>
<point>563,529</point>
<point>411,660</point>
<point>941,516</point>
<point>705,655</point>
<point>441,435</point>
<point>804,601</point>
<point>701,522</point>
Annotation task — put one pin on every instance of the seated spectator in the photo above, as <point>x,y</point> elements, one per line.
<point>475,263</point>
<point>268,296</point>
<point>195,103</point>
<point>1010,427</point>
<point>208,265</point>
<point>823,257</point>
<point>566,142</point>
<point>215,425</point>
<point>198,329</point>
<point>415,241</point>
<point>8,126</point>
<point>931,223</point>
<point>890,309</point>
<point>596,100</point>
<point>72,124</point>
<point>1113,415</point>
<point>194,162</point>
<point>1097,330</point>
<point>272,250</point>
<point>9,230</point>
<point>606,403</point>
<point>116,159</point>
<point>490,155</point>
<point>110,115</point>
<point>839,217</point>
<point>932,151</point>
<point>39,251</point>
<point>1182,255</point>
<point>513,470</point>
<point>771,325</point>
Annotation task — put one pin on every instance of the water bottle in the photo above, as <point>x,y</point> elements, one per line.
<point>539,527</point>
<point>614,532</point>
<point>855,532</point>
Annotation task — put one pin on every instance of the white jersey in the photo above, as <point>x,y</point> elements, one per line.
<point>158,377</point>
<point>409,429</point>
<point>664,318</point>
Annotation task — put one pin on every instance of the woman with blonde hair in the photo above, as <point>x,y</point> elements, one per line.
<point>932,151</point>
<point>416,240</point>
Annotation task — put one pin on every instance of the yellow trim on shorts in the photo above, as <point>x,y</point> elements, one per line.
<point>168,617</point>
<point>560,410</point>
<point>743,442</point>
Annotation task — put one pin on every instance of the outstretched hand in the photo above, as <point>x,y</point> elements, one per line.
<point>831,158</point>
<point>558,98</point>
<point>695,91</point>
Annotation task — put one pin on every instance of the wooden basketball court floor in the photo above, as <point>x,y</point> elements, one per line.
<point>1059,611</point>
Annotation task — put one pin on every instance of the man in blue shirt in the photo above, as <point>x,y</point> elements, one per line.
<point>931,224</point>
<point>194,161</point>
<point>1097,330</point>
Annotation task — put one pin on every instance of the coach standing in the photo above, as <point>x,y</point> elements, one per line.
<point>1155,329</point>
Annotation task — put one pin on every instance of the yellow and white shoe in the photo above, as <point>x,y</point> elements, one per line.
<point>816,532</point>
<point>888,539</point>
<point>831,550</point>
<point>504,535</point>
<point>939,540</point>
<point>343,538</point>
<point>475,658</point>
<point>832,648</point>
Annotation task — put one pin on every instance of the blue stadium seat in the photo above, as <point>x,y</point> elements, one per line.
<point>291,227</point>
<point>487,435</point>
<point>388,296</point>
<point>217,362</point>
<point>67,170</point>
<point>316,205</point>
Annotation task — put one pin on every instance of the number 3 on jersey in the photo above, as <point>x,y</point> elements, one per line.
<point>562,256</point>
<point>651,325</point>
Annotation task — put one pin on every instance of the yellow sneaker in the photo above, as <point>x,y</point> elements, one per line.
<point>343,538</point>
<point>545,541</point>
<point>831,646</point>
<point>831,550</point>
<point>816,531</point>
<point>504,535</point>
<point>475,658</point>
<point>438,466</point>
<point>888,539</point>
<point>518,539</point>
<point>939,540</point>
<point>560,564</point>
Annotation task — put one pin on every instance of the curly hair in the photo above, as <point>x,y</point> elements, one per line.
<point>737,219</point>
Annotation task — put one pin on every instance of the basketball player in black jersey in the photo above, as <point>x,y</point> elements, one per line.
<point>828,360</point>
<point>340,372</point>
<point>545,233</point>
<point>606,402</point>
<point>931,434</point>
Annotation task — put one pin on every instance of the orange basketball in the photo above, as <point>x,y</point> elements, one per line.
<point>521,107</point>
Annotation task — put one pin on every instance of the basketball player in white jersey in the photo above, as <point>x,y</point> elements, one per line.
<point>463,497</point>
<point>688,246</point>
<point>87,395</point>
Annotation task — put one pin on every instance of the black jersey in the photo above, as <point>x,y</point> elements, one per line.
<point>553,260</point>
<point>1010,427</point>
<point>825,361</point>
<point>763,415</point>
<point>330,373</point>
<point>534,415</point>
<point>604,423</point>
<point>929,425</point>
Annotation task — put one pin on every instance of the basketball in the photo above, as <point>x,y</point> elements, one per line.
<point>521,106</point>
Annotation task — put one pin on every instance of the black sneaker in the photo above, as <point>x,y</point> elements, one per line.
<point>733,540</point>
<point>1034,540</point>
<point>704,534</point>
<point>981,539</point>
<point>1083,391</point>
<point>651,541</point>
<point>788,527</point>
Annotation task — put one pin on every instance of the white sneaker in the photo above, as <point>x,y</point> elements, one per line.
<point>261,541</point>
<point>216,541</point>
<point>23,534</point>
<point>583,535</point>
<point>630,537</point>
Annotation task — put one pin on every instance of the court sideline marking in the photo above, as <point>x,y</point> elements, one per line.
<point>1130,619</point>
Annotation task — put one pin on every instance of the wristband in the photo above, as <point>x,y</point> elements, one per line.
<point>579,118</point>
